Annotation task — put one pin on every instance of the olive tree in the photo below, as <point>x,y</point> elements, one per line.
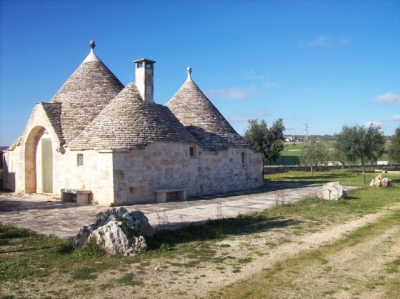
<point>360,143</point>
<point>339,157</point>
<point>394,149</point>
<point>313,153</point>
<point>268,141</point>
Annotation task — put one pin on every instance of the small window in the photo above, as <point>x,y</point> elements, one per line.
<point>79,159</point>
<point>243,157</point>
<point>139,64</point>
<point>192,151</point>
<point>148,65</point>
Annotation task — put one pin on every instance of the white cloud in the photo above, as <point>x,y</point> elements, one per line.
<point>395,117</point>
<point>373,123</point>
<point>262,113</point>
<point>328,41</point>
<point>344,40</point>
<point>235,119</point>
<point>388,98</point>
<point>272,85</point>
<point>254,76</point>
<point>308,90</point>
<point>321,41</point>
<point>235,93</point>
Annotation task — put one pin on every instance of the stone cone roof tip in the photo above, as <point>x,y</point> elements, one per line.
<point>202,119</point>
<point>85,94</point>
<point>92,56</point>
<point>127,123</point>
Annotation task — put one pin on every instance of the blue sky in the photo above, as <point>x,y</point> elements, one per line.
<point>321,63</point>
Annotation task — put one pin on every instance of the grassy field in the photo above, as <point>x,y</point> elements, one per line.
<point>294,149</point>
<point>36,266</point>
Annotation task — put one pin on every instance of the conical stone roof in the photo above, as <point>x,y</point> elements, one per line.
<point>202,119</point>
<point>128,123</point>
<point>89,89</point>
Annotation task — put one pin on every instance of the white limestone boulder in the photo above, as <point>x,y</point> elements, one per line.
<point>117,231</point>
<point>331,191</point>
<point>380,182</point>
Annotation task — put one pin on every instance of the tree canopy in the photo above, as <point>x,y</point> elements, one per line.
<point>268,141</point>
<point>365,144</point>
<point>394,149</point>
<point>313,152</point>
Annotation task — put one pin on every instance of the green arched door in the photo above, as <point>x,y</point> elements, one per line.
<point>47,166</point>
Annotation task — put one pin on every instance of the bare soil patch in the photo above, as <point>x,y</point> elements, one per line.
<point>360,270</point>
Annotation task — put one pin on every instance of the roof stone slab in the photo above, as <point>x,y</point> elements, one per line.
<point>127,123</point>
<point>202,119</point>
<point>90,88</point>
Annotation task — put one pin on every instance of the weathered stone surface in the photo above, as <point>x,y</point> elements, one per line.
<point>117,231</point>
<point>331,191</point>
<point>203,120</point>
<point>127,123</point>
<point>380,182</point>
<point>84,95</point>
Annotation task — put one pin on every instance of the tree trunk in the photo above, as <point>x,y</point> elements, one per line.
<point>363,170</point>
<point>312,171</point>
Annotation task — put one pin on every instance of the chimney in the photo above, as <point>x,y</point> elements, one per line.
<point>144,74</point>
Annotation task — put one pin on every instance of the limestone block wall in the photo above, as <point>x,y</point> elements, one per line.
<point>230,170</point>
<point>160,165</point>
<point>169,165</point>
<point>130,177</point>
<point>90,170</point>
<point>12,170</point>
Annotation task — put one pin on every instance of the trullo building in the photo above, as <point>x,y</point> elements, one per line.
<point>95,134</point>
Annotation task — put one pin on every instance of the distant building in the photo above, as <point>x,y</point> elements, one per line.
<point>290,139</point>
<point>95,134</point>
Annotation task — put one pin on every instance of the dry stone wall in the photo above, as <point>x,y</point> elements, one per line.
<point>169,165</point>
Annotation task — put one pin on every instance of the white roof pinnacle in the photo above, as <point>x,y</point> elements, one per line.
<point>92,56</point>
<point>189,71</point>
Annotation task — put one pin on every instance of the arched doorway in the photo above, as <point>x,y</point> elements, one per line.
<point>38,161</point>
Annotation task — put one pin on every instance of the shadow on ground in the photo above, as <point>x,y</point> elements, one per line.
<point>215,229</point>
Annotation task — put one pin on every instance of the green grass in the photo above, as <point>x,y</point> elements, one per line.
<point>84,274</point>
<point>25,255</point>
<point>129,279</point>
<point>349,177</point>
<point>295,150</point>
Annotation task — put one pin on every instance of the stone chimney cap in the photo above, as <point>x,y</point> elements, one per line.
<point>144,60</point>
<point>92,56</point>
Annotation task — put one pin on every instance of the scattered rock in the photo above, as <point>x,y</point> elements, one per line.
<point>378,181</point>
<point>117,231</point>
<point>332,191</point>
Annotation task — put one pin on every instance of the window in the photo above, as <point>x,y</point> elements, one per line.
<point>192,151</point>
<point>148,65</point>
<point>243,157</point>
<point>79,159</point>
<point>139,64</point>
